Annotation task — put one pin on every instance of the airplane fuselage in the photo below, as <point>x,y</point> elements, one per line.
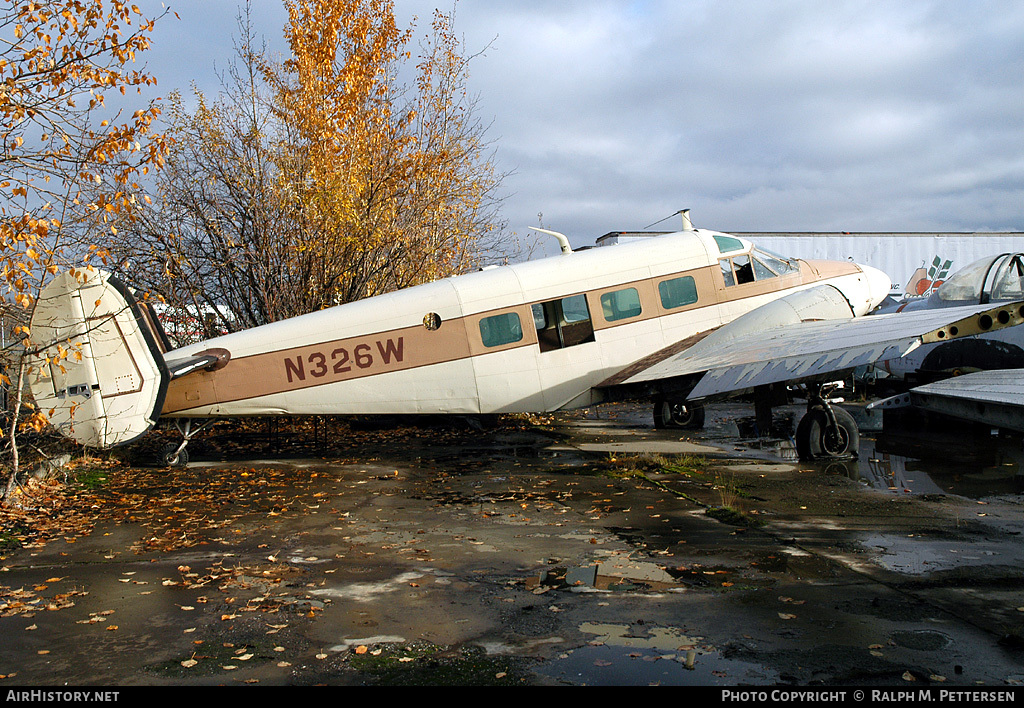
<point>530,337</point>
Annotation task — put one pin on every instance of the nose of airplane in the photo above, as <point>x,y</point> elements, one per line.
<point>879,285</point>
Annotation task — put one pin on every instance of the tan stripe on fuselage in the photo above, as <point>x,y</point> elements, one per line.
<point>319,364</point>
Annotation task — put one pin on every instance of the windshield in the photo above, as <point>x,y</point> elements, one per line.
<point>1008,279</point>
<point>967,283</point>
<point>780,264</point>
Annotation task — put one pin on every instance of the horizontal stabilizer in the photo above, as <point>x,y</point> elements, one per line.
<point>98,372</point>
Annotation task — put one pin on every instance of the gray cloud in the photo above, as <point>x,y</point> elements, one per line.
<point>847,115</point>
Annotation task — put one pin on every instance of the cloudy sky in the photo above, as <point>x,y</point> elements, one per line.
<point>757,115</point>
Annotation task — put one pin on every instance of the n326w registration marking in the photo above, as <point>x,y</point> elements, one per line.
<point>340,361</point>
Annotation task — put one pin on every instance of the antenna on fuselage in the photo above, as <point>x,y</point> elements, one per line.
<point>562,240</point>
<point>685,213</point>
<point>687,224</point>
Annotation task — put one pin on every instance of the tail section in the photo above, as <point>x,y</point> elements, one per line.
<point>99,371</point>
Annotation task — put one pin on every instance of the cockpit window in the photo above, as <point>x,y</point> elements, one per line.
<point>987,280</point>
<point>761,271</point>
<point>780,265</point>
<point>737,270</point>
<point>1008,281</point>
<point>966,284</point>
<point>727,275</point>
<point>743,270</point>
<point>728,244</point>
<point>760,265</point>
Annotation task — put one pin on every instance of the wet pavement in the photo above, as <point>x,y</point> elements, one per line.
<point>589,549</point>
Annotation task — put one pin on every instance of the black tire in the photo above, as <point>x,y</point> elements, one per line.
<point>815,441</point>
<point>170,459</point>
<point>669,414</point>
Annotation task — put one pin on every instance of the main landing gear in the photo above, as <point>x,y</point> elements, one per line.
<point>175,455</point>
<point>678,414</point>
<point>825,432</point>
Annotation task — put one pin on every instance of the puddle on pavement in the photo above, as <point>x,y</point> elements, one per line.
<point>966,463</point>
<point>973,471</point>
<point>920,554</point>
<point>471,460</point>
<point>973,467</point>
<point>613,575</point>
<point>921,639</point>
<point>621,574</point>
<point>636,654</point>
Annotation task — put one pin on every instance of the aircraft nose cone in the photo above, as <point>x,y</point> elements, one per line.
<point>879,285</point>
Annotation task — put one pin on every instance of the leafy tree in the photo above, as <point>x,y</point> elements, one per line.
<point>69,164</point>
<point>322,178</point>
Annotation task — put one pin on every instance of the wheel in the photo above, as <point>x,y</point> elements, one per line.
<point>170,459</point>
<point>669,414</point>
<point>815,439</point>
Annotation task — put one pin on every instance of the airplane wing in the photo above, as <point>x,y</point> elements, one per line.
<point>819,343</point>
<point>994,398</point>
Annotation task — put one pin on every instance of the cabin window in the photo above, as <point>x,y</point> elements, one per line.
<point>574,309</point>
<point>728,244</point>
<point>540,320</point>
<point>563,323</point>
<point>621,304</point>
<point>497,330</point>
<point>677,292</point>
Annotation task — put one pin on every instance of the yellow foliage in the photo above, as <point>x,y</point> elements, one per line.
<point>61,49</point>
<point>323,178</point>
<point>397,188</point>
<point>59,161</point>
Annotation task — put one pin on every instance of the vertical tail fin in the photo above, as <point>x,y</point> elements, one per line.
<point>99,370</point>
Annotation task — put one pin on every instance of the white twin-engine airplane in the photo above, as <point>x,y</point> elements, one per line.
<point>679,319</point>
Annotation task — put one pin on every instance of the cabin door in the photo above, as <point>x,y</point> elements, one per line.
<point>568,354</point>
